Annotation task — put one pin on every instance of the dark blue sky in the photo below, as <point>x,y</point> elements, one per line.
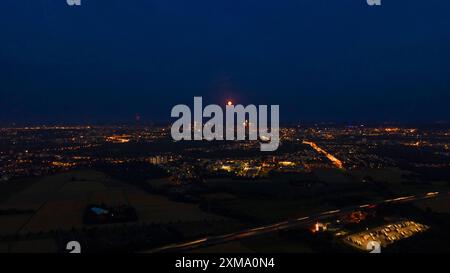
<point>321,60</point>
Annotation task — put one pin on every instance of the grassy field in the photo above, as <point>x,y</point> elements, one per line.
<point>7,189</point>
<point>388,175</point>
<point>58,202</point>
<point>400,182</point>
<point>272,243</point>
<point>11,224</point>
<point>267,210</point>
<point>436,205</point>
<point>159,209</point>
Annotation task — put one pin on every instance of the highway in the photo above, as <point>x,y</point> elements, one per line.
<point>239,235</point>
<point>336,162</point>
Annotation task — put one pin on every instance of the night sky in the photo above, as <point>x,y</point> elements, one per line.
<point>320,60</point>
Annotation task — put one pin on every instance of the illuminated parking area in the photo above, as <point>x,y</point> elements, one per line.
<point>385,235</point>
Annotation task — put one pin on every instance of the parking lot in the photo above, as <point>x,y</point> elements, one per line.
<point>385,235</point>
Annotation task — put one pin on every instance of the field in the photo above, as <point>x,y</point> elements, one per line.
<point>57,202</point>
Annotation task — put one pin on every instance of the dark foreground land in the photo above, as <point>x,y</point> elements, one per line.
<point>43,214</point>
